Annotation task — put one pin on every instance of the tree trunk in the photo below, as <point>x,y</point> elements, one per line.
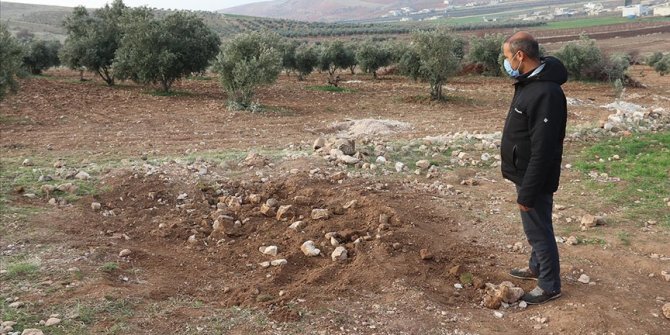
<point>439,91</point>
<point>352,69</point>
<point>166,84</point>
<point>334,81</point>
<point>436,90</point>
<point>109,79</point>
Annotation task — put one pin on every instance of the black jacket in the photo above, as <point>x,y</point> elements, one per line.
<point>532,141</point>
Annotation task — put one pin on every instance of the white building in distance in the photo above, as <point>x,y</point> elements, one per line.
<point>662,10</point>
<point>635,11</point>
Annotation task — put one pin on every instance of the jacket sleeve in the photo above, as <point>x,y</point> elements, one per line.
<point>546,117</point>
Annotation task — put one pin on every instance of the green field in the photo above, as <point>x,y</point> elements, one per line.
<point>46,23</point>
<point>598,21</point>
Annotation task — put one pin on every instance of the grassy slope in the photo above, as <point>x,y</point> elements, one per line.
<point>643,165</point>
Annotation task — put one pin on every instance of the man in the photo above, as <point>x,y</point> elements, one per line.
<point>531,150</point>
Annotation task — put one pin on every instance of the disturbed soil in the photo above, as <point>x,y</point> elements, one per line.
<point>162,166</point>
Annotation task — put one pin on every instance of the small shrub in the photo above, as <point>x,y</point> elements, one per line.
<point>654,58</point>
<point>618,88</point>
<point>663,65</point>
<point>329,88</point>
<point>466,278</point>
<point>616,66</point>
<point>624,237</point>
<point>22,270</point>
<point>109,267</point>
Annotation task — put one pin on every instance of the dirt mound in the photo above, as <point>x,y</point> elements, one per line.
<point>365,127</point>
<point>203,239</point>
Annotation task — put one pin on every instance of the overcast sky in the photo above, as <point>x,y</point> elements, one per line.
<point>191,4</point>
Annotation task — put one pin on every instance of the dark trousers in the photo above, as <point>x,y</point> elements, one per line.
<point>540,234</point>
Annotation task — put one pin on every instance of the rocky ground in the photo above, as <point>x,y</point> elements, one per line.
<point>368,212</point>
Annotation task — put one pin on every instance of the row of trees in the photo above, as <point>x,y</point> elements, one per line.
<point>257,58</point>
<point>22,54</point>
<point>120,43</point>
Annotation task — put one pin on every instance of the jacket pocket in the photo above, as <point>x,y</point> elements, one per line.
<point>521,156</point>
<point>507,152</point>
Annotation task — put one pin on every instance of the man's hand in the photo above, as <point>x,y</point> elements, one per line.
<point>524,208</point>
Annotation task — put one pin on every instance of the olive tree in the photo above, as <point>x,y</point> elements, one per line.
<point>348,59</point>
<point>583,59</point>
<point>654,58</point>
<point>11,54</point>
<point>438,54</point>
<point>486,51</point>
<point>409,64</point>
<point>288,49</point>
<point>41,55</point>
<point>662,66</point>
<point>351,49</point>
<point>165,50</point>
<point>616,66</point>
<point>659,63</point>
<point>306,59</point>
<point>246,62</point>
<point>92,40</point>
<point>334,56</point>
<point>371,56</point>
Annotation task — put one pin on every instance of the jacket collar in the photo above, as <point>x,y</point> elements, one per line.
<point>528,76</point>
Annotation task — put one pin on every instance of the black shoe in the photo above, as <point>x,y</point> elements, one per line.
<point>525,273</point>
<point>538,296</point>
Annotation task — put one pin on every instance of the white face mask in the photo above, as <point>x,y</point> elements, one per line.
<point>508,67</point>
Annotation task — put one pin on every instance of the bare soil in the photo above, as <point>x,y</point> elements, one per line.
<point>214,284</point>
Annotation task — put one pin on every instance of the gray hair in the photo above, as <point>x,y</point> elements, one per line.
<point>525,43</point>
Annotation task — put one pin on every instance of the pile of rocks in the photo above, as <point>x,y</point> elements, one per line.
<point>7,327</point>
<point>339,150</point>
<point>236,207</point>
<point>343,151</point>
<point>52,191</point>
<point>502,295</point>
<point>590,221</point>
<point>626,119</point>
<point>631,117</point>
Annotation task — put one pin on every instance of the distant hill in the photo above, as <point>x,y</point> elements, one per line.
<point>330,10</point>
<point>44,21</point>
